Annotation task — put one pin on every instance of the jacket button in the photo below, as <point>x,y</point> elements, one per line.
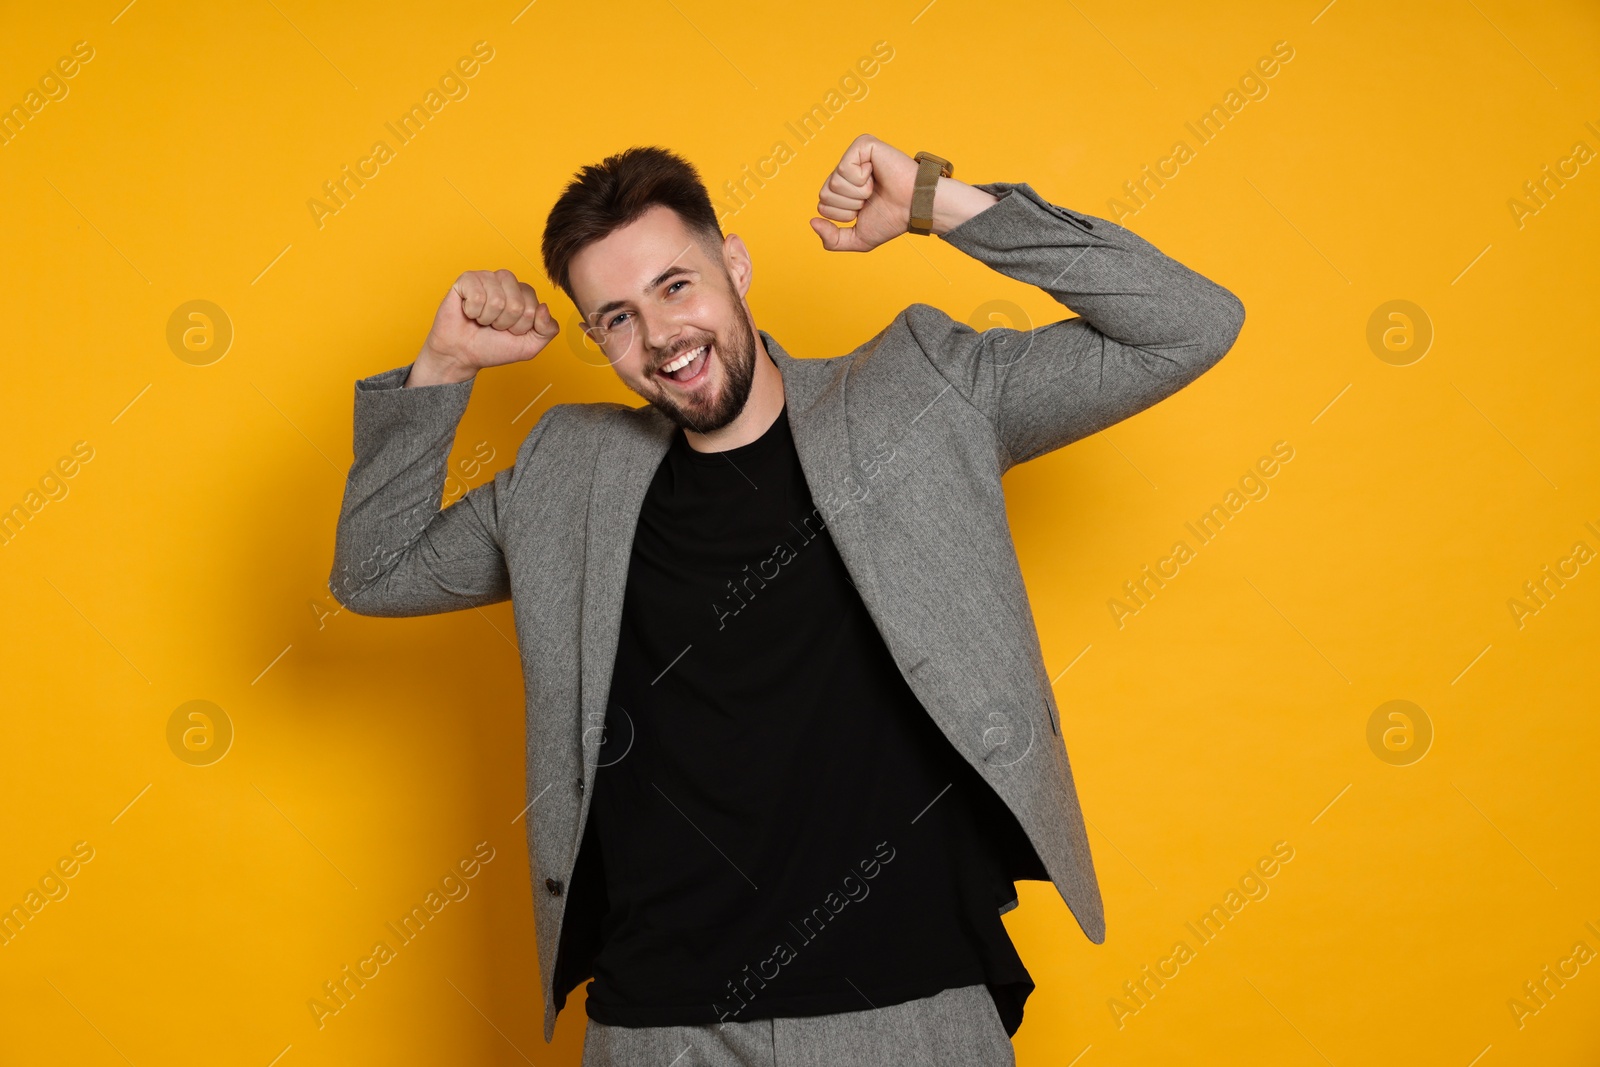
<point>554,885</point>
<point>580,785</point>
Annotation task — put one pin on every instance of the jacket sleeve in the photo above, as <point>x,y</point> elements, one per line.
<point>396,552</point>
<point>1146,326</point>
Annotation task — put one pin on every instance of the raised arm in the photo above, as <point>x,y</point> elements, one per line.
<point>396,552</point>
<point>1146,326</point>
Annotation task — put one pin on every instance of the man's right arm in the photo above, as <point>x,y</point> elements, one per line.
<point>396,552</point>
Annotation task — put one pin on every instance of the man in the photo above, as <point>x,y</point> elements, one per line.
<point>791,741</point>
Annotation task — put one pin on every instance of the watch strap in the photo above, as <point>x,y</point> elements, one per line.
<point>930,168</point>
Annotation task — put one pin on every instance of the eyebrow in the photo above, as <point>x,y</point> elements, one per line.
<point>671,272</point>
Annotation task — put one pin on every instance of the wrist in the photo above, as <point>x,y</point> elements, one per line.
<point>431,368</point>
<point>954,202</point>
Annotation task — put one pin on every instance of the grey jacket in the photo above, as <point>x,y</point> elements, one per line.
<point>902,440</point>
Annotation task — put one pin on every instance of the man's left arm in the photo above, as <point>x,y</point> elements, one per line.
<point>1146,325</point>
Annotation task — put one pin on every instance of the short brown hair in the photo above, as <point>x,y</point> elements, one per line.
<point>605,197</point>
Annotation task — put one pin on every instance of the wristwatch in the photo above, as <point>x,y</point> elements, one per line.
<point>930,168</point>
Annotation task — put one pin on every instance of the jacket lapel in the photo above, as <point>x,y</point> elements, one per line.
<point>814,393</point>
<point>631,449</point>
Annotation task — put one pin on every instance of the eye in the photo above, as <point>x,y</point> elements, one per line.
<point>675,284</point>
<point>615,319</point>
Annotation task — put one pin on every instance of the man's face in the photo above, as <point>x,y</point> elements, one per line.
<point>657,293</point>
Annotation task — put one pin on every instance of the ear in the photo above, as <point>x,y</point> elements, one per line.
<point>736,258</point>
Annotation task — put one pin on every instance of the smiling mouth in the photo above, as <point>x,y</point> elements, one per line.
<point>687,367</point>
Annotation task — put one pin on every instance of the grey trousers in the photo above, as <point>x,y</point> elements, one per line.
<point>956,1026</point>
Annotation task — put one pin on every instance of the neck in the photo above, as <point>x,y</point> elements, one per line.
<point>760,410</point>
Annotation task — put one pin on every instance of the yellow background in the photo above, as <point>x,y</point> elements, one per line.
<point>189,558</point>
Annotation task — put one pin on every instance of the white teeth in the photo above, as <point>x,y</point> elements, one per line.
<point>683,360</point>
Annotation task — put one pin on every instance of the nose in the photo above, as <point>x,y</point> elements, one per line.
<point>663,332</point>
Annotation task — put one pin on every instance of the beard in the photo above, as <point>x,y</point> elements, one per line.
<point>738,367</point>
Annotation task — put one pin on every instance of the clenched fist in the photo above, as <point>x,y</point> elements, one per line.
<point>487,319</point>
<point>872,187</point>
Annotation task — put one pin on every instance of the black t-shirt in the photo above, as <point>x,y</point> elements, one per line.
<point>782,828</point>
